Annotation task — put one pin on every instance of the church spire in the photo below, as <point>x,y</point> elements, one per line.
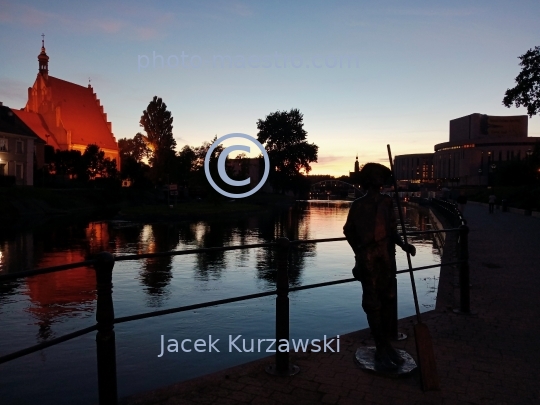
<point>43,59</point>
<point>356,165</point>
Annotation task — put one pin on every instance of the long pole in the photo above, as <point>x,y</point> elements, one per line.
<point>424,345</point>
<point>404,232</point>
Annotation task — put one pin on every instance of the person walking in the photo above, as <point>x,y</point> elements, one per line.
<point>491,200</point>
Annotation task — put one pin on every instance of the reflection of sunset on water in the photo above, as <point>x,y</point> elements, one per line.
<point>43,307</point>
<point>97,235</point>
<point>60,295</point>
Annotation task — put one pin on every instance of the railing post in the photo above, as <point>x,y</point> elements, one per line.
<point>105,339</point>
<point>282,366</point>
<point>464,282</point>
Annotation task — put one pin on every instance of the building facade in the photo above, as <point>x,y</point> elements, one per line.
<point>414,168</point>
<point>66,115</point>
<point>18,145</point>
<point>478,143</point>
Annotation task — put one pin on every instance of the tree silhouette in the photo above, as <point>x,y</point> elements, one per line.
<point>527,91</point>
<point>135,148</point>
<point>289,152</point>
<point>67,163</point>
<point>157,122</point>
<point>186,162</point>
<point>96,164</point>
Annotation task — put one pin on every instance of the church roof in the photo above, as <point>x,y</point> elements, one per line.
<point>36,123</point>
<point>81,113</point>
<point>12,124</point>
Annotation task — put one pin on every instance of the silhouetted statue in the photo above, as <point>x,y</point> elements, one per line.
<point>371,230</point>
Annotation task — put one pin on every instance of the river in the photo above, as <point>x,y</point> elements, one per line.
<point>38,308</point>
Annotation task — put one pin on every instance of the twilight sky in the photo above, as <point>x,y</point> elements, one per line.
<point>363,73</point>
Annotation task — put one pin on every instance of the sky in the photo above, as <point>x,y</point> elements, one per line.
<point>363,73</point>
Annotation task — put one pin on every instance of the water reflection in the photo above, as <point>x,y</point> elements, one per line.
<point>52,298</point>
<point>56,296</point>
<point>43,307</point>
<point>156,272</point>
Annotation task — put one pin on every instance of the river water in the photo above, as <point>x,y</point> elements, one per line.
<point>35,309</point>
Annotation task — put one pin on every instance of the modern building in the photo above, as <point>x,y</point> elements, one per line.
<point>66,115</point>
<point>478,144</point>
<point>414,168</point>
<point>18,146</point>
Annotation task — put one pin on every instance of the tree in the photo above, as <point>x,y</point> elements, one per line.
<point>527,91</point>
<point>96,164</point>
<point>135,148</point>
<point>289,152</point>
<point>186,161</point>
<point>199,176</point>
<point>201,151</point>
<point>518,172</point>
<point>157,122</point>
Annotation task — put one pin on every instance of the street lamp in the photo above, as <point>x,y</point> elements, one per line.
<point>479,175</point>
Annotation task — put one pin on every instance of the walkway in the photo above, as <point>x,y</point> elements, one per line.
<point>490,358</point>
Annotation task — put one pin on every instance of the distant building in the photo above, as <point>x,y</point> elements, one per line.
<point>248,167</point>
<point>478,143</point>
<point>18,145</point>
<point>65,115</point>
<point>354,176</point>
<point>414,168</point>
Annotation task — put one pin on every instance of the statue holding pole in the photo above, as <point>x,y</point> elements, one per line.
<point>371,230</point>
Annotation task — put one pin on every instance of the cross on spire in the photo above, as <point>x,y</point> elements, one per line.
<point>43,59</point>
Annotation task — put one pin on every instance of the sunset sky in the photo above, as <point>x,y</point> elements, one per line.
<point>411,68</point>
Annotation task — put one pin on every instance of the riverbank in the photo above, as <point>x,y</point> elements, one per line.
<point>24,207</point>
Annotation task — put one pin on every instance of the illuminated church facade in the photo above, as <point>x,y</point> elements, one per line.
<point>65,115</point>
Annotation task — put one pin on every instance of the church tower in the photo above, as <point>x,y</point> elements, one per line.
<point>65,115</point>
<point>43,59</point>
<point>354,177</point>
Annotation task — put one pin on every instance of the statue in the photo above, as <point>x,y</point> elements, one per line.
<point>371,230</point>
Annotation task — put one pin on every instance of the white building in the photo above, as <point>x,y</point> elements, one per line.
<point>18,144</point>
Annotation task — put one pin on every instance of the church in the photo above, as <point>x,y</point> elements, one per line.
<point>65,115</point>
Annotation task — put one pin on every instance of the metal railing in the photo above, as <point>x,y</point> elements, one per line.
<point>450,210</point>
<point>103,264</point>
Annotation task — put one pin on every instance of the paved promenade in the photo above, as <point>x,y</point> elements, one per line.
<point>490,358</point>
